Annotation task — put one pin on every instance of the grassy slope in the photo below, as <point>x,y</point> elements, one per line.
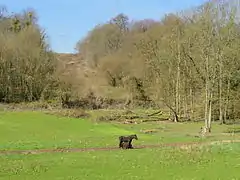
<point>33,130</point>
<point>214,163</point>
<point>30,130</point>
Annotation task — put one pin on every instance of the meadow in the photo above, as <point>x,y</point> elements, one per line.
<point>221,162</point>
<point>31,130</point>
<point>180,65</point>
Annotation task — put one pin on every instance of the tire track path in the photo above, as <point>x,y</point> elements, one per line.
<point>39,151</point>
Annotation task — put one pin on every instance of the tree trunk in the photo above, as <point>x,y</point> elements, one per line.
<point>191,104</point>
<point>210,111</point>
<point>178,81</point>
<point>173,112</point>
<point>226,102</point>
<point>185,109</point>
<point>206,96</point>
<point>177,94</point>
<point>220,93</point>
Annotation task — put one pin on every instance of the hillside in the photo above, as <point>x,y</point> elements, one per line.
<point>186,63</point>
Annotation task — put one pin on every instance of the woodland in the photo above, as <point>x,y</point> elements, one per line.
<point>186,64</point>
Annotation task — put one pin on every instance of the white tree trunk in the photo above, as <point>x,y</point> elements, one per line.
<point>206,94</point>
<point>210,111</point>
<point>220,92</point>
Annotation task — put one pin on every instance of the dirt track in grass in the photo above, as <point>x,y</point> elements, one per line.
<point>180,145</point>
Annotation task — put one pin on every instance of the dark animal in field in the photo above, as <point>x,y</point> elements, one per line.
<point>125,145</point>
<point>125,142</point>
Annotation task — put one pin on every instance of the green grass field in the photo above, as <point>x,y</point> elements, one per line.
<point>215,163</point>
<point>36,130</point>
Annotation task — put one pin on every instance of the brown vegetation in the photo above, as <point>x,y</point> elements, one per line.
<point>186,62</point>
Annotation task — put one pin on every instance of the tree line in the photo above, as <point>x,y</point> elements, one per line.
<point>186,61</point>
<point>27,65</point>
